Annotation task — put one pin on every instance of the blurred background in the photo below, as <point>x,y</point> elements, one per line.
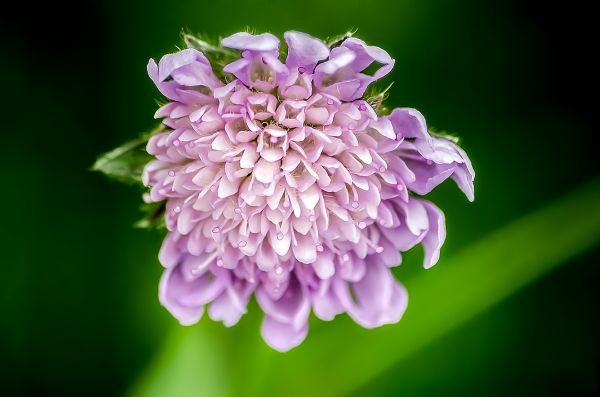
<point>78,302</point>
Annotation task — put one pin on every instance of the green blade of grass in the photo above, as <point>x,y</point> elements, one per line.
<point>190,364</point>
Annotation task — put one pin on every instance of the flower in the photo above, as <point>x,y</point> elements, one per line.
<point>286,183</point>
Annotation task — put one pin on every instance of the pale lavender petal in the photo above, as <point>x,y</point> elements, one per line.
<point>304,50</point>
<point>282,336</point>
<point>247,41</point>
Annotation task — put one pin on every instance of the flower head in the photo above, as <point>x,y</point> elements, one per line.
<point>286,183</point>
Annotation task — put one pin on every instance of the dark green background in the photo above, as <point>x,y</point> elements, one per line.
<point>78,300</point>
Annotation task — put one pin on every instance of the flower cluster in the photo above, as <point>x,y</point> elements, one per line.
<point>285,182</point>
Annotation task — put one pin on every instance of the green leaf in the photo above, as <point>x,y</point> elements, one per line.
<point>190,364</point>
<point>154,216</point>
<point>126,163</point>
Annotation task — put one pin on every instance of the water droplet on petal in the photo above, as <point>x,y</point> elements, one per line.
<point>278,270</point>
<point>319,248</point>
<point>177,209</point>
<point>220,262</point>
<point>171,173</point>
<point>216,229</point>
<point>242,243</point>
<point>362,225</point>
<point>279,236</point>
<point>355,204</point>
<point>379,249</point>
<point>382,169</point>
<point>213,188</point>
<point>301,69</point>
<point>345,257</point>
<point>237,210</point>
<point>330,101</point>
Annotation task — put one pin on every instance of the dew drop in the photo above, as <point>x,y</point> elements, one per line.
<point>242,243</point>
<point>379,249</point>
<point>382,169</point>
<point>362,225</point>
<point>278,270</point>
<point>213,188</point>
<point>330,101</point>
<point>279,236</point>
<point>177,209</point>
<point>237,210</point>
<point>355,204</point>
<point>345,257</point>
<point>301,69</point>
<point>319,248</point>
<point>171,173</point>
<point>220,262</point>
<point>216,229</point>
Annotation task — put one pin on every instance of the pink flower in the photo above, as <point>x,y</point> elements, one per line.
<point>286,184</point>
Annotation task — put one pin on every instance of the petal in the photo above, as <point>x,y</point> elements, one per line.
<point>231,304</point>
<point>304,50</point>
<point>170,287</point>
<point>281,336</point>
<point>265,170</point>
<point>305,249</point>
<point>291,308</point>
<point>379,299</point>
<point>247,41</point>
<point>435,236</point>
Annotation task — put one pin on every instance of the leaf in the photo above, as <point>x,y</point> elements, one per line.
<point>126,163</point>
<point>190,364</point>
<point>154,216</point>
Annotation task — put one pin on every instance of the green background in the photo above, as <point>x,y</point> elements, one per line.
<point>78,303</point>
